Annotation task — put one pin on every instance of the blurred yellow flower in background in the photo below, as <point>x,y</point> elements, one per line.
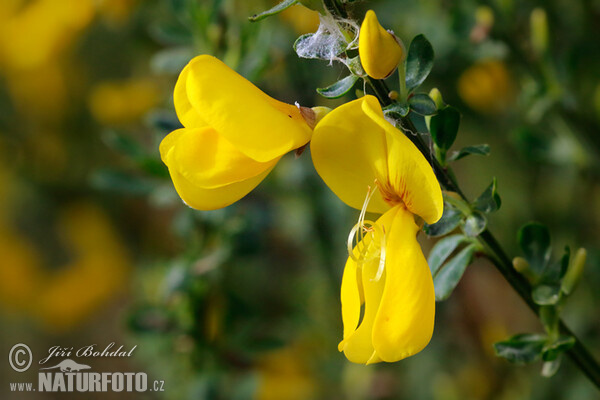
<point>487,87</point>
<point>40,29</point>
<point>380,51</point>
<point>302,19</point>
<point>34,36</point>
<point>117,103</point>
<point>284,376</point>
<point>60,299</point>
<point>354,148</point>
<point>116,11</point>
<point>233,134</point>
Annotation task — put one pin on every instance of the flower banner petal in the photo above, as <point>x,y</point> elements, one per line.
<point>349,152</point>
<point>410,177</point>
<point>259,126</point>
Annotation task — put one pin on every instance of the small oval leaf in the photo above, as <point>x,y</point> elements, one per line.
<point>442,250</point>
<point>422,104</point>
<point>284,5</point>
<point>444,127</point>
<point>449,275</point>
<point>480,149</point>
<point>521,349</point>
<point>419,62</point>
<point>449,221</point>
<point>339,88</point>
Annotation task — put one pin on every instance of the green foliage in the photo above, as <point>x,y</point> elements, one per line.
<point>284,5</point>
<point>521,348</point>
<point>419,62</point>
<point>489,201</point>
<point>475,223</point>
<point>444,127</point>
<point>450,220</point>
<point>442,250</point>
<point>339,88</point>
<point>448,276</point>
<point>422,104</point>
<point>480,149</point>
<point>534,239</point>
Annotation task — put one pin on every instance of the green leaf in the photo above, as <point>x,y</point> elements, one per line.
<point>521,349</point>
<point>422,104</point>
<point>475,224</point>
<point>553,350</point>
<point>442,250</point>
<point>489,201</point>
<point>546,294</point>
<point>444,127</point>
<point>449,275</point>
<point>480,149</point>
<point>284,5</point>
<point>449,221</point>
<point>397,110</point>
<point>419,62</point>
<point>534,239</point>
<point>555,271</point>
<point>339,88</point>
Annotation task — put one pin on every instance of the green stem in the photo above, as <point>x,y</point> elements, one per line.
<point>578,353</point>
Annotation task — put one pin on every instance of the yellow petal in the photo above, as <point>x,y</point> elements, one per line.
<point>353,145</point>
<point>410,177</point>
<point>404,322</point>
<point>380,52</point>
<point>212,199</point>
<point>349,152</point>
<point>207,160</point>
<point>185,112</point>
<point>358,344</point>
<point>258,125</point>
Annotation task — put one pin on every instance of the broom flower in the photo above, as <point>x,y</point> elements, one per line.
<point>358,153</point>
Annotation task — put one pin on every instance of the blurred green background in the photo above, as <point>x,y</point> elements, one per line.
<point>243,303</point>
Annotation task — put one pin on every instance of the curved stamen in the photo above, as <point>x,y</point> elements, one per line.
<point>370,243</point>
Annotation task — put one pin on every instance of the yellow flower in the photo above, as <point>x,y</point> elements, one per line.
<point>487,87</point>
<point>98,271</point>
<point>233,134</point>
<point>353,149</point>
<point>41,29</point>
<point>380,51</point>
<point>116,103</point>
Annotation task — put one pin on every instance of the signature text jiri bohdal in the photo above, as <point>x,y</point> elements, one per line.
<point>92,350</point>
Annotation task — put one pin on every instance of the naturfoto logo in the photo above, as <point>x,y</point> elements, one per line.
<point>68,375</point>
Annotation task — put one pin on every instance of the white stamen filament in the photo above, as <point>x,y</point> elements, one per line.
<point>376,246</point>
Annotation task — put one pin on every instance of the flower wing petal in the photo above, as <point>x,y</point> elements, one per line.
<point>349,152</point>
<point>208,160</point>
<point>212,199</point>
<point>358,287</point>
<point>258,125</point>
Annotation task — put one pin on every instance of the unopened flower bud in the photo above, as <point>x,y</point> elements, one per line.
<point>522,267</point>
<point>539,30</point>
<point>380,50</point>
<point>574,271</point>
<point>436,96</point>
